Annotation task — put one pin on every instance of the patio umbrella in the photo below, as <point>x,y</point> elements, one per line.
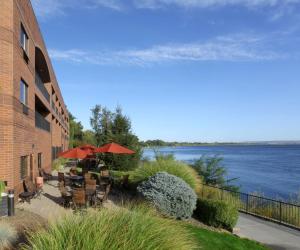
<point>113,148</point>
<point>75,153</point>
<point>89,149</point>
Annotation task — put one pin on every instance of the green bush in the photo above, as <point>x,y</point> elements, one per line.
<point>135,228</point>
<point>171,166</point>
<point>7,236</point>
<point>170,195</point>
<point>59,163</point>
<point>217,213</point>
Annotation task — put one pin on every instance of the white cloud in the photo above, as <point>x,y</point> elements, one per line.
<point>46,8</point>
<point>153,4</point>
<point>227,48</point>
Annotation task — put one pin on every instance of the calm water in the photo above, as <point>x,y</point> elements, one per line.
<point>272,170</point>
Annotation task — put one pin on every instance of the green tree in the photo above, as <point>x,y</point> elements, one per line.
<point>113,126</point>
<point>89,137</point>
<point>76,132</point>
<point>101,123</point>
<point>213,172</point>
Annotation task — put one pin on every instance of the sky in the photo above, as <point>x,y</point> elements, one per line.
<point>182,70</point>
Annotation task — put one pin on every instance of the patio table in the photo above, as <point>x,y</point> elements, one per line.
<point>76,180</point>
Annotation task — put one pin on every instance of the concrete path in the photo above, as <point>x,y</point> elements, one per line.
<point>271,234</point>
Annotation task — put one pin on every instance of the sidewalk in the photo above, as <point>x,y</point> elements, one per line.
<point>275,236</point>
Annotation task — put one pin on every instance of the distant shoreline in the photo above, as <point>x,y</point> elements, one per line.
<point>274,143</point>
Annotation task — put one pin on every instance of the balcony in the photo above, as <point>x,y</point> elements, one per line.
<point>41,122</point>
<point>39,83</point>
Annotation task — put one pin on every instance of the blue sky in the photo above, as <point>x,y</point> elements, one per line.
<point>185,70</point>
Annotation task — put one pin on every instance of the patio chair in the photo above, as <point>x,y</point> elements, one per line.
<point>90,189</point>
<point>87,176</point>
<point>78,198</point>
<point>73,171</point>
<point>30,191</point>
<point>102,195</point>
<point>65,194</point>
<point>46,176</point>
<point>61,177</point>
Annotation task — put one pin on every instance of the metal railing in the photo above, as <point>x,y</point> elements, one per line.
<point>39,83</point>
<point>271,209</point>
<point>41,122</point>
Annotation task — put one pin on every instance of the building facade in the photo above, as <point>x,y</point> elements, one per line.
<point>34,122</point>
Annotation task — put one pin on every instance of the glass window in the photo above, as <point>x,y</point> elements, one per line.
<point>24,39</point>
<point>23,93</point>
<point>39,160</point>
<point>23,167</point>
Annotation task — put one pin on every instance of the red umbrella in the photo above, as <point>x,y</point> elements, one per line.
<point>75,153</point>
<point>89,149</point>
<point>87,146</point>
<point>113,148</point>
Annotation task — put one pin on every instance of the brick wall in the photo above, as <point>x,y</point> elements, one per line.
<point>18,134</point>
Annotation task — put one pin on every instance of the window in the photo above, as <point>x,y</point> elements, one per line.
<point>24,39</point>
<point>24,167</point>
<point>39,160</point>
<point>23,92</point>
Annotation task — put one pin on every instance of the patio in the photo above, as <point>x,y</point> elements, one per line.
<point>49,204</point>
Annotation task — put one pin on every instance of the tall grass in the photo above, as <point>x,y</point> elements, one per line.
<point>171,166</point>
<point>8,235</point>
<point>135,228</point>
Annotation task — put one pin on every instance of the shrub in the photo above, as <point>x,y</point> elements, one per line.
<point>217,213</point>
<point>171,166</point>
<point>137,228</point>
<point>58,164</point>
<point>170,195</point>
<point>7,235</point>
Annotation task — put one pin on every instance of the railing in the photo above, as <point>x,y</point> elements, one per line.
<point>41,122</point>
<point>274,210</point>
<point>39,83</point>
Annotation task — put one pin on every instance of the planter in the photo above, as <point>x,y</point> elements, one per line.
<point>3,205</point>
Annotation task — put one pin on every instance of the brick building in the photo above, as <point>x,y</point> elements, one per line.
<point>33,117</point>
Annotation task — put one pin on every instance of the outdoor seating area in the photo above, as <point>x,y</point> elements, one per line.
<point>82,181</point>
<point>78,191</point>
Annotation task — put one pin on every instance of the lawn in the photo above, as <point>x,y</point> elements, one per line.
<point>209,240</point>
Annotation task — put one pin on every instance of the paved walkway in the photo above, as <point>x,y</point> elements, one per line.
<point>271,234</point>
<point>48,205</point>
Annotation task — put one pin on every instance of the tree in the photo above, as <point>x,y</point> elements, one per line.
<point>76,132</point>
<point>213,172</point>
<point>113,126</point>
<point>89,137</point>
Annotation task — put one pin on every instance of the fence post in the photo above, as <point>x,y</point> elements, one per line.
<point>247,204</point>
<point>280,212</point>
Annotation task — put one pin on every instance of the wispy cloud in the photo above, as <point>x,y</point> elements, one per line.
<point>47,8</point>
<point>211,3</point>
<point>227,48</point>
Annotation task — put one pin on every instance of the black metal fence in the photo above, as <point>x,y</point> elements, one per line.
<point>275,210</point>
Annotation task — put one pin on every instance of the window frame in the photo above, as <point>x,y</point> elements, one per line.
<point>24,39</point>
<point>24,91</point>
<point>23,172</point>
<point>39,159</point>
